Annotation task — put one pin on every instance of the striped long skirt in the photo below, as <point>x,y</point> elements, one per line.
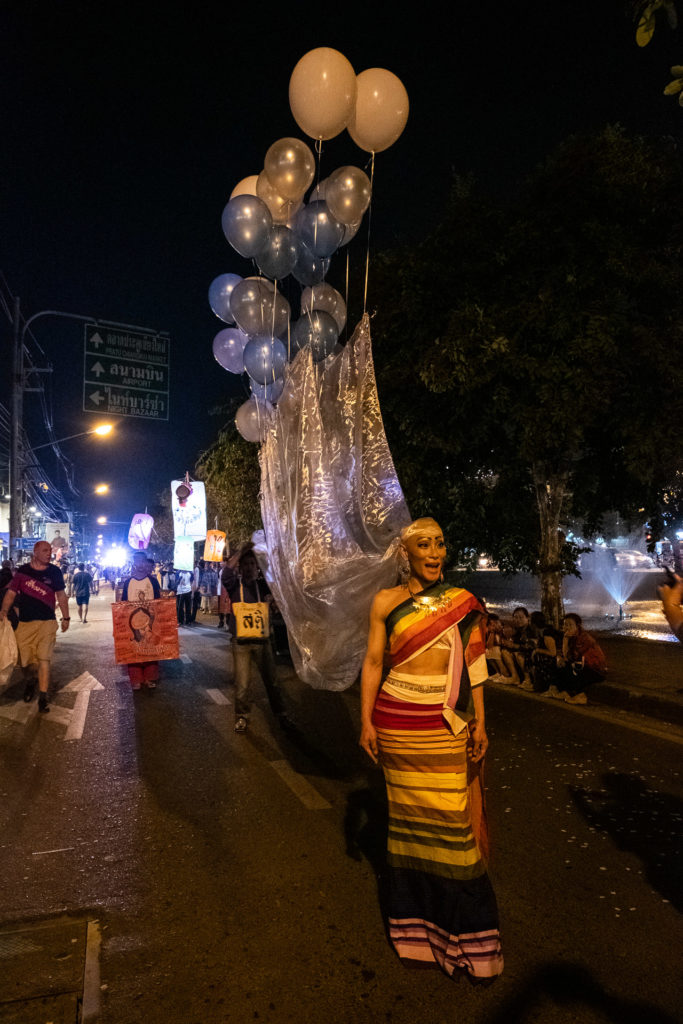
<point>442,905</point>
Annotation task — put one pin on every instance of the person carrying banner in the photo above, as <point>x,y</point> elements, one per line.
<point>141,586</point>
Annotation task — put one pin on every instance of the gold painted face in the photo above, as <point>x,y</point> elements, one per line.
<point>426,550</point>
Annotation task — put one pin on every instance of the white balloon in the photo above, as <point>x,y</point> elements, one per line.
<point>381,110</point>
<point>322,92</point>
<point>245,187</point>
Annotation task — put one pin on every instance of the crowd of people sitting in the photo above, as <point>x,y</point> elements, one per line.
<point>530,653</point>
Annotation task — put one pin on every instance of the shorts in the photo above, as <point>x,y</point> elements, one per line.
<point>82,598</point>
<point>36,640</point>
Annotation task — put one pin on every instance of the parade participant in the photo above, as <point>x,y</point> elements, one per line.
<point>141,587</point>
<point>671,595</point>
<point>425,724</point>
<point>82,582</point>
<point>250,599</point>
<point>39,585</point>
<point>183,591</point>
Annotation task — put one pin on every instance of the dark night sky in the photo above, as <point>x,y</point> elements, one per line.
<point>124,134</point>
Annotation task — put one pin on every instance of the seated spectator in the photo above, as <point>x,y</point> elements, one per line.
<point>495,637</point>
<point>581,663</point>
<point>517,650</point>
<point>544,658</point>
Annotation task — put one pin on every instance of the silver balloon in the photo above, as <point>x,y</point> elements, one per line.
<point>220,290</point>
<point>317,329</point>
<point>258,308</point>
<point>247,223</point>
<point>228,349</point>
<point>251,420</point>
<point>265,359</point>
<point>348,194</point>
<point>290,166</point>
<point>279,257</point>
<point>324,296</point>
<point>309,268</point>
<point>268,392</point>
<point>350,231</point>
<point>318,229</point>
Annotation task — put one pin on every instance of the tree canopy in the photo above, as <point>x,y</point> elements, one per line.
<point>532,344</point>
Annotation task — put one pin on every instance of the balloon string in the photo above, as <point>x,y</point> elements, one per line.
<point>346,324</point>
<point>367,255</point>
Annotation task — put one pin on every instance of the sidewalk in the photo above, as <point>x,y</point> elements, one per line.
<point>644,676</point>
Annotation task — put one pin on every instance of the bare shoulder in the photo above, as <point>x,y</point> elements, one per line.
<point>386,600</point>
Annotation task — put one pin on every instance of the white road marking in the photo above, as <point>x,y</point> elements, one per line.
<point>217,696</point>
<point>44,853</point>
<point>77,719</point>
<point>186,659</point>
<point>301,788</point>
<point>91,974</point>
<point>83,682</point>
<point>16,712</point>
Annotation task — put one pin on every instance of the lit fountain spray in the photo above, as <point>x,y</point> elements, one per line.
<point>619,580</point>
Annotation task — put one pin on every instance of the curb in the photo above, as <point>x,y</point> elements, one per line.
<point>639,701</point>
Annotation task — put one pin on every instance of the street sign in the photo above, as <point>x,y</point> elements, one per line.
<point>125,373</point>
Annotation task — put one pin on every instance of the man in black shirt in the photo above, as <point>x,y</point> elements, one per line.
<point>38,585</point>
<point>82,582</point>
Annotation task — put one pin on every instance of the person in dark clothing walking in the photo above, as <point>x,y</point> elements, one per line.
<point>82,583</point>
<point>250,600</point>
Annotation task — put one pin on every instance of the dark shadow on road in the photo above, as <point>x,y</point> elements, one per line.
<point>642,821</point>
<point>572,986</point>
<point>366,822</point>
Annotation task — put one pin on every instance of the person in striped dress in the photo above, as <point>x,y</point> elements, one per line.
<point>425,724</point>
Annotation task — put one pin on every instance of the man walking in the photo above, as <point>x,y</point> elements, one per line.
<point>82,582</point>
<point>38,585</point>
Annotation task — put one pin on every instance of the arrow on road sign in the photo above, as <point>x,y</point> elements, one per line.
<point>96,340</point>
<point>83,682</point>
<point>96,397</point>
<point>97,369</point>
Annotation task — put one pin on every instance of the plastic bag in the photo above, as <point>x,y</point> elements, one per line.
<point>8,651</point>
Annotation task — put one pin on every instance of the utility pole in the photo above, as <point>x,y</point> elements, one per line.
<point>16,467</point>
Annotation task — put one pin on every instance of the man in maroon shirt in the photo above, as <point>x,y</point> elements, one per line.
<point>36,588</point>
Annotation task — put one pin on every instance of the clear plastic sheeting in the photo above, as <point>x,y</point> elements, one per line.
<point>331,504</point>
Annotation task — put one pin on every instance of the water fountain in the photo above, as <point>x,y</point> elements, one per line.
<point>616,568</point>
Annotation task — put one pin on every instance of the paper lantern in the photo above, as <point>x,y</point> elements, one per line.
<point>213,546</point>
<point>183,553</point>
<point>140,531</point>
<point>188,504</point>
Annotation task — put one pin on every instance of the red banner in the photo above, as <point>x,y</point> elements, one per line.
<point>146,631</point>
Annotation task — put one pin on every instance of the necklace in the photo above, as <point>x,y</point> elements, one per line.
<point>431,604</point>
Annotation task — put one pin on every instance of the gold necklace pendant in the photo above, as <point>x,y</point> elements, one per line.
<point>428,604</point>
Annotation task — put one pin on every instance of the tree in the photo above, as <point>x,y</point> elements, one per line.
<point>230,470</point>
<point>527,354</point>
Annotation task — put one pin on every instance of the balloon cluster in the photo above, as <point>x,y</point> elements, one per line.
<point>267,220</point>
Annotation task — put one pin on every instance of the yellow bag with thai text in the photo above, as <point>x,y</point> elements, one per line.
<point>252,620</point>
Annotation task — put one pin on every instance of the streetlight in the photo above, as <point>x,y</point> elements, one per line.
<point>102,489</point>
<point>101,431</point>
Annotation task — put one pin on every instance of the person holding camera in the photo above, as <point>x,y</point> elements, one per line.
<point>671,595</point>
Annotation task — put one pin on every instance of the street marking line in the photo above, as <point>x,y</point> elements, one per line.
<point>307,794</point>
<point>186,659</point>
<point>83,682</point>
<point>217,696</point>
<point>59,715</point>
<point>91,974</point>
<point>61,849</point>
<point>16,712</point>
<point>76,725</point>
